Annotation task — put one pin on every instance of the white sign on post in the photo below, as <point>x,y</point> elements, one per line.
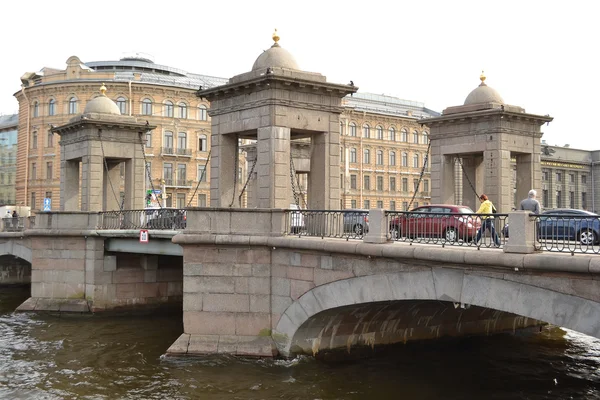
<point>143,236</point>
<point>47,204</point>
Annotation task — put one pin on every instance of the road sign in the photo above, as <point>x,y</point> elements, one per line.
<point>156,191</point>
<point>144,236</point>
<point>47,204</point>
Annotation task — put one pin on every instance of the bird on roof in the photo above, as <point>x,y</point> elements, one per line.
<point>351,83</point>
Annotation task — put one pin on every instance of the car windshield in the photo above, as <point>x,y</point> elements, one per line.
<point>464,210</point>
<point>582,213</point>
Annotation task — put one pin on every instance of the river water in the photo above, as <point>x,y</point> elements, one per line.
<point>96,357</point>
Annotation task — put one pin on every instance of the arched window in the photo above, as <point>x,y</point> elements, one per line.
<point>392,133</point>
<point>36,109</point>
<point>416,137</point>
<point>379,130</point>
<point>182,110</point>
<point>122,104</point>
<point>168,142</point>
<point>416,160</point>
<point>379,157</point>
<point>405,159</point>
<point>392,158</point>
<point>353,155</point>
<point>352,129</point>
<point>168,110</point>
<point>403,135</point>
<point>202,143</point>
<point>72,106</point>
<point>34,140</point>
<point>202,112</point>
<point>425,138</point>
<point>341,128</point>
<point>366,131</point>
<point>146,107</point>
<point>51,107</point>
<point>366,156</point>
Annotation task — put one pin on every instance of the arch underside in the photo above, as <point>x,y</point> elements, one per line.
<point>428,304</point>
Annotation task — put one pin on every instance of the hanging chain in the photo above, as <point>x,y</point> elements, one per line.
<point>467,176</point>
<point>200,179</point>
<point>108,172</point>
<point>247,180</point>
<point>147,168</point>
<point>296,185</point>
<point>235,170</point>
<point>420,175</point>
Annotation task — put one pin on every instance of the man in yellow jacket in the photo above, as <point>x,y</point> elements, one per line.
<point>487,221</point>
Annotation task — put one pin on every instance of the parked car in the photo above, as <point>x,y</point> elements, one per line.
<point>568,224</point>
<point>166,218</point>
<point>356,221</point>
<point>451,222</point>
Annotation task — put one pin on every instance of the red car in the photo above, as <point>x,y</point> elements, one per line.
<point>451,222</point>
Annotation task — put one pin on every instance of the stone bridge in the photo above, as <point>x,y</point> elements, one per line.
<point>248,289</point>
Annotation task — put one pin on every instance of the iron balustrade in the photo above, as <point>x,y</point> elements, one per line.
<point>159,218</point>
<point>567,233</point>
<point>454,229</point>
<point>14,224</point>
<point>347,224</point>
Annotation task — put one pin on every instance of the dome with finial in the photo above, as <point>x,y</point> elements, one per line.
<point>276,56</point>
<point>483,94</point>
<point>102,104</point>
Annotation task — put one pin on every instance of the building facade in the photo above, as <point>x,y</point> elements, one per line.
<point>8,158</point>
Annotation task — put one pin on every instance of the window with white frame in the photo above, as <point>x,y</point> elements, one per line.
<point>353,155</point>
<point>168,140</point>
<point>202,115</point>
<point>183,110</point>
<point>392,158</point>
<point>366,131</point>
<point>379,132</point>
<point>366,156</point>
<point>72,105</point>
<point>51,107</point>
<point>182,140</point>
<point>415,137</point>
<point>405,159</point>
<point>202,143</point>
<point>148,139</point>
<point>392,134</point>
<point>36,109</point>
<point>352,129</point>
<point>201,200</point>
<point>122,104</point>
<point>416,160</point>
<point>146,107</point>
<point>404,135</point>
<point>379,157</point>
<point>168,109</point>
<point>201,173</point>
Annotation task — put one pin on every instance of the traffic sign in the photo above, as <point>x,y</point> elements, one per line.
<point>143,236</point>
<point>47,204</point>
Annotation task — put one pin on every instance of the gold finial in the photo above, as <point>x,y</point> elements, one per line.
<point>482,77</point>
<point>103,90</point>
<point>275,36</point>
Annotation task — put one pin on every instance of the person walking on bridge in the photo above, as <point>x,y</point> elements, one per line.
<point>487,221</point>
<point>530,203</point>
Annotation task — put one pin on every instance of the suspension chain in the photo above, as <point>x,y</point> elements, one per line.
<point>235,170</point>
<point>108,172</point>
<point>296,185</point>
<point>200,179</point>
<point>147,168</point>
<point>247,180</point>
<point>420,175</point>
<point>467,176</point>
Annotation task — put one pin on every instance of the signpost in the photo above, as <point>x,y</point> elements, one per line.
<point>47,204</point>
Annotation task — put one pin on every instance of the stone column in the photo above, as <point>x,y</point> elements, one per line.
<point>324,177</point>
<point>112,186</point>
<point>92,183</point>
<point>69,185</point>
<point>442,179</point>
<point>273,167</point>
<point>222,166</point>
<point>522,233</point>
<point>135,179</point>
<point>524,176</point>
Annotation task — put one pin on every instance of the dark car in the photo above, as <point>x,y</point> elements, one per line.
<point>356,221</point>
<point>451,222</point>
<point>166,218</point>
<point>568,224</point>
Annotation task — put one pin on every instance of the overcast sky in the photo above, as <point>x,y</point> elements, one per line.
<point>540,55</point>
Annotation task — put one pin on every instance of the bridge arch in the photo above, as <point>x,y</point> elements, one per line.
<point>368,306</point>
<point>16,248</point>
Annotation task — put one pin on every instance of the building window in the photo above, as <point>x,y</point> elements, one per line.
<point>352,203</point>
<point>583,201</point>
<point>366,156</point>
<point>425,185</point>
<point>405,159</point>
<point>352,181</point>
<point>49,174</point>
<point>182,110</point>
<point>341,128</point>
<point>571,179</point>
<point>545,175</point>
<point>405,205</point>
<point>367,204</point>
<point>545,198</point>
<point>201,200</point>
<point>72,105</point>
<point>405,184</point>
<point>48,195</point>
<point>202,143</point>
<point>366,131</point>
<point>392,184</point>
<point>392,133</point>
<point>50,139</point>
<point>33,171</point>
<point>425,138</point>
<point>379,157</point>
<point>181,140</point>
<point>403,135</point>
<point>202,112</point>
<point>352,129</point>
<point>392,158</point>
<point>168,141</point>
<point>558,177</point>
<point>148,139</point>
<point>168,110</point>
<point>583,179</point>
<point>416,137</point>
<point>168,173</point>
<point>571,199</point>
<point>146,107</point>
<point>51,107</point>
<point>36,109</point>
<point>122,104</point>
<point>342,151</point>
<point>379,132</point>
<point>380,184</point>
<point>342,181</point>
<point>181,200</point>
<point>34,140</point>
<point>181,174</point>
<point>392,205</point>
<point>366,182</point>
<point>353,155</point>
<point>415,185</point>
<point>201,173</point>
<point>416,160</point>
<point>415,204</point>
<point>379,204</point>
<point>33,202</point>
<point>558,199</point>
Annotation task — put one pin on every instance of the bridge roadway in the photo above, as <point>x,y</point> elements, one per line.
<point>247,289</point>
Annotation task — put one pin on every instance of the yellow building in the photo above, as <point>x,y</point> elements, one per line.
<point>8,158</point>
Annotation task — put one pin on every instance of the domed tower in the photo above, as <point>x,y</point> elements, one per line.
<point>274,104</point>
<point>95,144</point>
<point>474,144</point>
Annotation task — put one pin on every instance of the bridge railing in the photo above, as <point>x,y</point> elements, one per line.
<point>454,229</point>
<point>348,224</point>
<point>162,218</point>
<point>14,224</point>
<point>567,233</point>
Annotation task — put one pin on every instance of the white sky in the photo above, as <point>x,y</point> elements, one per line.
<point>540,55</point>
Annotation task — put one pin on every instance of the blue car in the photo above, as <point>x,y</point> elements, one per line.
<point>568,224</point>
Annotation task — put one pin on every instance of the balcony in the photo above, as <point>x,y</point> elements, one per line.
<point>172,151</point>
<point>179,183</point>
<point>184,152</point>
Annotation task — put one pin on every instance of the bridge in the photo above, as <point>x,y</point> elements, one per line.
<point>249,287</point>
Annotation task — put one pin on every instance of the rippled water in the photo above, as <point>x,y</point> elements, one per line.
<point>95,357</point>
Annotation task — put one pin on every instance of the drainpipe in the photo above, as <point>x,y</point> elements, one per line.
<point>26,144</point>
<point>130,99</point>
<point>361,181</point>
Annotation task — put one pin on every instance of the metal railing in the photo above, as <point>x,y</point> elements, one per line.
<point>454,229</point>
<point>160,218</point>
<point>13,224</point>
<point>567,233</point>
<point>347,224</point>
